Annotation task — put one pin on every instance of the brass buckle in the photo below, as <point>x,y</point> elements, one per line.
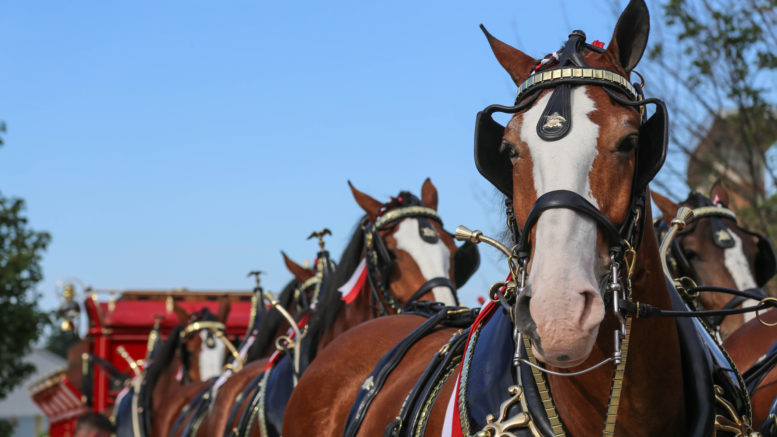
<point>684,284</point>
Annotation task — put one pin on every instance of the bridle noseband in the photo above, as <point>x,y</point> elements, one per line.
<point>380,260</point>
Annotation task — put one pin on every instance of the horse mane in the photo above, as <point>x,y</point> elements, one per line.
<point>162,359</point>
<point>330,303</point>
<point>270,323</point>
<point>696,200</point>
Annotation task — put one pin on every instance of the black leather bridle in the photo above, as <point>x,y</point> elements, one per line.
<point>704,208</point>
<point>571,71</point>
<point>380,260</point>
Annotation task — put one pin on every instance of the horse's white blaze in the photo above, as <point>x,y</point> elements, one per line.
<point>739,269</point>
<point>433,259</point>
<point>211,359</point>
<point>564,259</point>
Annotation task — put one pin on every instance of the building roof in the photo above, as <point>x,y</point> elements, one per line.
<point>19,403</point>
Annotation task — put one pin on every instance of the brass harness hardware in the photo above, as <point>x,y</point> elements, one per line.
<point>738,426</point>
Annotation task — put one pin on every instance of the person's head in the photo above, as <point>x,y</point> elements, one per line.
<point>93,425</point>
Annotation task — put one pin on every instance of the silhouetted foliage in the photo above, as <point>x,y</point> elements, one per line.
<point>20,255</point>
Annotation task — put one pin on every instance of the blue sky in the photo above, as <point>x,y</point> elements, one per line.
<point>182,144</point>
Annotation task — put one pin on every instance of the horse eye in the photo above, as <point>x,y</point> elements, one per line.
<point>690,255</point>
<point>628,144</point>
<point>511,152</point>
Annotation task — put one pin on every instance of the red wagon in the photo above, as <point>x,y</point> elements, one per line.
<point>101,365</point>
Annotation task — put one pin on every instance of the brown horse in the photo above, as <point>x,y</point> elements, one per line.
<point>398,253</point>
<point>747,346</point>
<point>717,251</point>
<point>574,162</point>
<point>189,355</point>
<point>270,329</point>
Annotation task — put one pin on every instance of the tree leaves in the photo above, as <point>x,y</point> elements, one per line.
<point>21,249</point>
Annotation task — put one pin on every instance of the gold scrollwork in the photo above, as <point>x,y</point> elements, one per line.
<point>502,426</point>
<point>738,426</point>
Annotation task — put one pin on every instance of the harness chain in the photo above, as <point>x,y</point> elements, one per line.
<point>617,385</point>
<point>544,392</point>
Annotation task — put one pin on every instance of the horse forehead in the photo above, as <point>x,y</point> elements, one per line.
<point>423,243</point>
<point>564,164</point>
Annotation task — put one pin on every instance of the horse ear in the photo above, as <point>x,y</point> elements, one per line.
<point>181,313</point>
<point>429,194</point>
<point>517,63</point>
<point>368,204</point>
<point>631,35</point>
<point>301,273</point>
<point>719,194</point>
<point>667,207</point>
<point>224,307</point>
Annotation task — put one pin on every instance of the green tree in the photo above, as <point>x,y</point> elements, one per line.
<point>719,61</point>
<point>21,249</point>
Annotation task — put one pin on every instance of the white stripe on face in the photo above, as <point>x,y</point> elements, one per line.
<point>211,359</point>
<point>564,164</point>
<point>433,259</point>
<point>739,269</point>
<point>565,302</point>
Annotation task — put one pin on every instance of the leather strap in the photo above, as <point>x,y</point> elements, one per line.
<point>565,199</point>
<point>412,414</point>
<point>373,384</point>
<point>735,301</point>
<point>439,281</point>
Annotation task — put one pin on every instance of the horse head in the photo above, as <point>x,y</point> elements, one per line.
<point>202,352</point>
<point>716,250</point>
<point>574,161</point>
<point>307,281</point>
<point>408,255</point>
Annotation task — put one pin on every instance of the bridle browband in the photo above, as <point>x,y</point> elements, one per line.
<point>379,259</point>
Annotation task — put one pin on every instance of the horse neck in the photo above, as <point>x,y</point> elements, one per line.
<point>350,315</point>
<point>166,385</point>
<point>652,398</point>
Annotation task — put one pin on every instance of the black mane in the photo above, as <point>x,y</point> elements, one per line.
<point>270,323</point>
<point>696,200</point>
<point>330,303</point>
<point>162,360</point>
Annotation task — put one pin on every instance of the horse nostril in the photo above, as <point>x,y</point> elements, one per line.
<point>563,358</point>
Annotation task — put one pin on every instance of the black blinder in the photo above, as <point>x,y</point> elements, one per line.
<point>493,163</point>
<point>651,151</point>
<point>466,261</point>
<point>765,261</point>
